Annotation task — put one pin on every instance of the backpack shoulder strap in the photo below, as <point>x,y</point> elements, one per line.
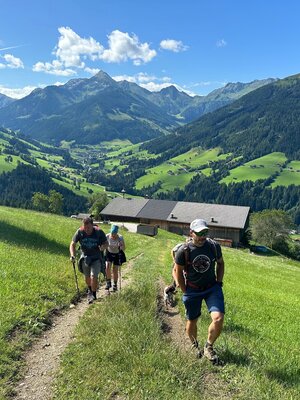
<point>186,250</point>
<point>214,247</point>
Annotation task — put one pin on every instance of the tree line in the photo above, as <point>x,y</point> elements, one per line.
<point>18,187</point>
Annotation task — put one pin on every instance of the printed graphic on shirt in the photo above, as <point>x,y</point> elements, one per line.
<point>201,263</point>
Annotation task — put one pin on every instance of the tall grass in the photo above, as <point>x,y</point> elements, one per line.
<point>120,350</point>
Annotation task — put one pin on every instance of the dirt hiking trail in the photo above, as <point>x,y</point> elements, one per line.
<point>43,357</point>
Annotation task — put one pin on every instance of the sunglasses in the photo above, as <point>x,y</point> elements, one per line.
<point>202,233</point>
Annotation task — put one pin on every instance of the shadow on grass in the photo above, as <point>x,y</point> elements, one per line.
<point>34,240</point>
<point>231,327</point>
<point>284,378</point>
<point>263,251</point>
<point>235,358</point>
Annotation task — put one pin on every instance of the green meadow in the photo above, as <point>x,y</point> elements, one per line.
<point>289,176</point>
<point>9,166</point>
<point>178,171</point>
<point>264,167</point>
<point>120,349</point>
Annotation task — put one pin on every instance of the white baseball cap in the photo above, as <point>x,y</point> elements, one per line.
<point>198,225</point>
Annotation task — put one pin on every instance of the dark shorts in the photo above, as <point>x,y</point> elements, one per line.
<point>92,270</point>
<point>113,258</point>
<point>192,300</point>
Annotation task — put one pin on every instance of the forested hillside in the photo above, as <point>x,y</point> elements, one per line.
<point>18,186</point>
<point>261,122</point>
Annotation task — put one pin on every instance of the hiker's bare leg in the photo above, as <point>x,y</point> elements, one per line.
<point>108,270</point>
<point>115,273</point>
<point>88,280</point>
<point>215,328</point>
<point>94,283</point>
<point>191,329</point>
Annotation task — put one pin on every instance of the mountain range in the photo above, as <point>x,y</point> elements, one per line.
<point>5,100</point>
<point>263,121</point>
<point>92,110</point>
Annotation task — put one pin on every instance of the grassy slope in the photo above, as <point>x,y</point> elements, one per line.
<point>36,277</point>
<point>174,173</point>
<point>9,166</point>
<point>119,347</point>
<point>289,176</point>
<point>263,168</point>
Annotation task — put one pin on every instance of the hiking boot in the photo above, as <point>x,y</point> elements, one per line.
<point>90,298</point>
<point>196,350</point>
<point>108,285</point>
<point>210,354</point>
<point>115,287</point>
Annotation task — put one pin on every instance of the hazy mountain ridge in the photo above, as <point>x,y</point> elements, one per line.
<point>5,100</point>
<point>99,108</point>
<point>263,121</point>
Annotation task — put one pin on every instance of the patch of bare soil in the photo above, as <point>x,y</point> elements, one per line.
<point>173,325</point>
<point>43,358</point>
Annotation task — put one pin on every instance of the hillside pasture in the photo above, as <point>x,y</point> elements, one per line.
<point>289,176</point>
<point>120,348</point>
<point>260,168</point>
<point>85,187</point>
<point>178,171</point>
<point>259,343</point>
<point>6,166</point>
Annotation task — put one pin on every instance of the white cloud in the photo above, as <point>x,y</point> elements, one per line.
<point>142,78</point>
<point>72,51</point>
<point>17,93</point>
<point>127,78</point>
<point>54,68</point>
<point>71,47</point>
<point>123,47</point>
<point>151,82</point>
<point>221,43</point>
<point>208,83</point>
<point>56,84</point>
<point>173,45</point>
<point>92,71</point>
<point>11,62</point>
<point>154,87</point>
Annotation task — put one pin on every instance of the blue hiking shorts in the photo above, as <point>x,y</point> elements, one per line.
<point>192,300</point>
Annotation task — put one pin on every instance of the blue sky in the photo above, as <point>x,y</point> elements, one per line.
<point>194,44</point>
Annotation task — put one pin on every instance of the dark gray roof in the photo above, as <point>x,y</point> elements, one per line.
<point>183,212</point>
<point>222,215</point>
<point>157,209</point>
<point>124,207</point>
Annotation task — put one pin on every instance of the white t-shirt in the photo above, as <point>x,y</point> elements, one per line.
<point>114,244</point>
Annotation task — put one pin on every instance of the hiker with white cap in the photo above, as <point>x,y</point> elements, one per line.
<point>116,244</point>
<point>199,271</point>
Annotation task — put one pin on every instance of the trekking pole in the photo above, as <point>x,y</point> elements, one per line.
<point>120,276</point>
<point>76,280</point>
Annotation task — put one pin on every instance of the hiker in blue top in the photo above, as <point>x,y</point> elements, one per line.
<point>92,243</point>
<point>199,271</point>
